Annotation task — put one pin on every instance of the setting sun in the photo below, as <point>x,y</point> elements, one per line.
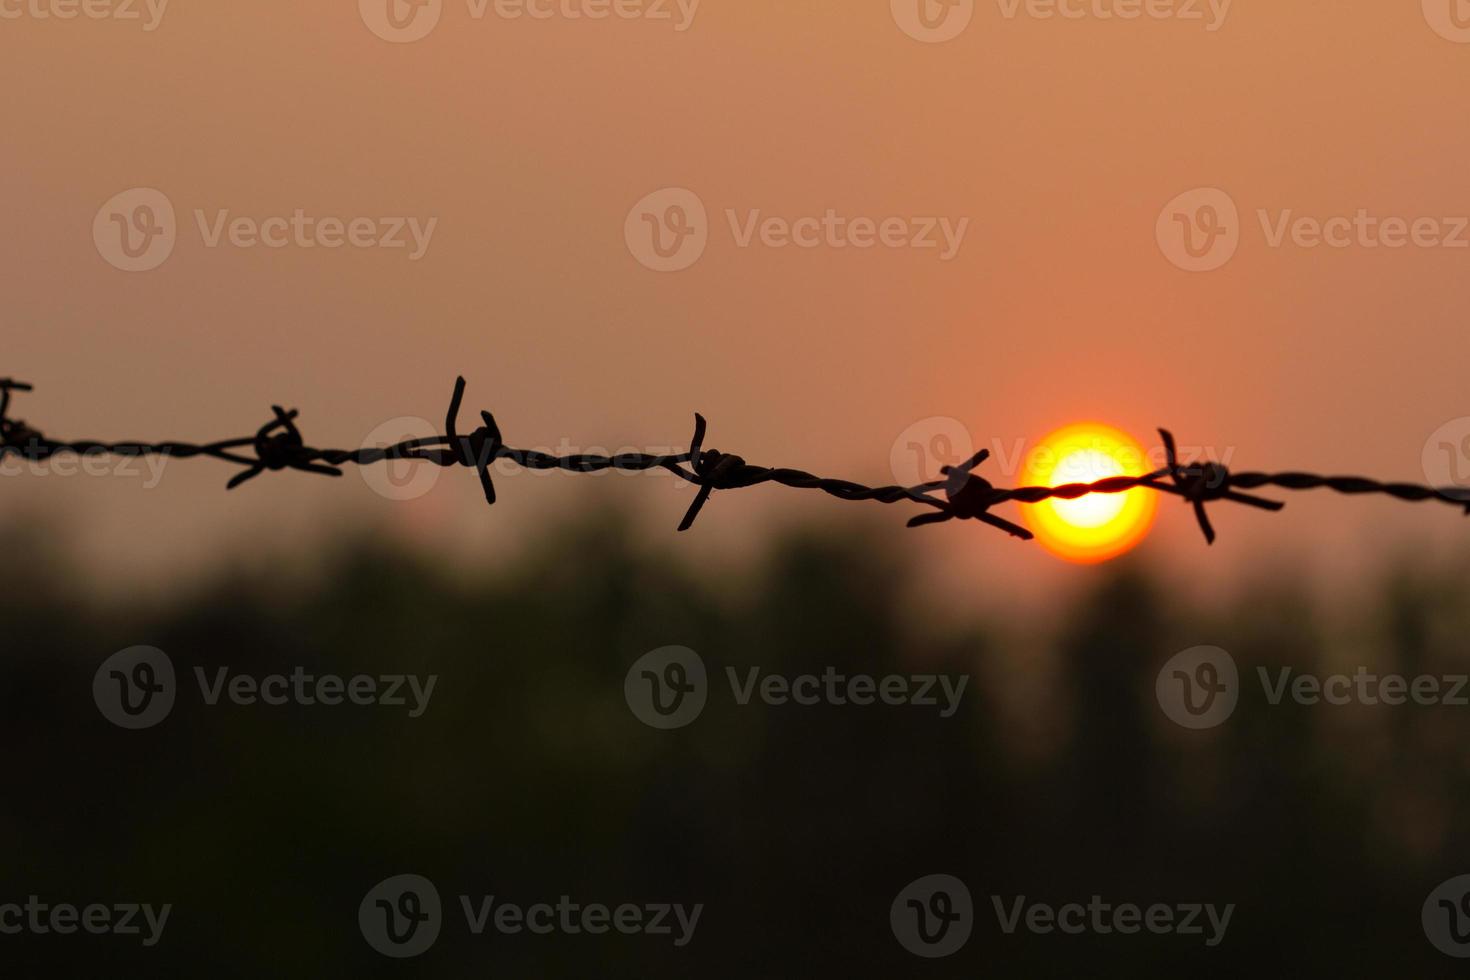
<point>1098,526</point>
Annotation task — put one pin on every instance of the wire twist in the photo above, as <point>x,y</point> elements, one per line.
<point>278,445</point>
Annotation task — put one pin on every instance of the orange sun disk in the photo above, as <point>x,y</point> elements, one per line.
<point>1098,526</point>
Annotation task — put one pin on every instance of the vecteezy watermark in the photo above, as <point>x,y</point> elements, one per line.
<point>1447,458</point>
<point>668,688</point>
<point>933,21</point>
<point>400,479</point>
<point>1210,14</point>
<point>940,692</point>
<point>1450,19</point>
<point>1201,687</point>
<point>146,13</point>
<point>937,21</point>
<point>1201,230</point>
<point>1103,918</point>
<point>137,230</point>
<point>1364,687</point>
<point>406,21</point>
<point>933,916</point>
<point>89,462</point>
<point>924,449</point>
<point>39,918</point>
<point>1446,917</point>
<point>401,21</point>
<point>136,688</point>
<point>669,230</point>
<point>403,916</point>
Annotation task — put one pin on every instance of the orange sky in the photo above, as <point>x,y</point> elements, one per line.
<point>527,142</point>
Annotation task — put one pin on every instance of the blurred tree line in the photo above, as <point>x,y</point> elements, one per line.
<point>528,777</point>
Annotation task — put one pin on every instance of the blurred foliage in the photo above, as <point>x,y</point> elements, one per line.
<point>528,778</point>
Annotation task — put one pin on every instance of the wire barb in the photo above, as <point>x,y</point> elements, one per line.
<point>970,498</point>
<point>279,445</point>
<point>15,435</point>
<point>1198,483</point>
<point>477,450</point>
<point>714,470</point>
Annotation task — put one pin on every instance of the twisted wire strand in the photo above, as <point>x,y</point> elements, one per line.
<point>961,495</point>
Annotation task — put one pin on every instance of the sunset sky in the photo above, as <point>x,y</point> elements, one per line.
<point>1047,147</point>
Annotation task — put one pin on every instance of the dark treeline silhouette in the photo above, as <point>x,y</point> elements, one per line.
<point>529,778</point>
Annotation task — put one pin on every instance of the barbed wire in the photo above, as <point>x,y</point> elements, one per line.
<point>279,445</point>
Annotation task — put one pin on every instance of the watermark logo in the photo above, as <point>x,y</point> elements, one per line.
<point>573,918</point>
<point>307,231</point>
<point>667,688</point>
<point>406,21</point>
<point>148,13</point>
<point>135,688</point>
<point>1364,687</point>
<point>668,230</point>
<point>942,692</point>
<point>679,13</point>
<point>40,918</point>
<point>933,916</point>
<point>400,479</point>
<point>1363,229</point>
<point>1210,13</point>
<point>937,21</point>
<point>401,916</point>
<point>90,462</point>
<point>1099,916</point>
<point>836,231</point>
<point>933,21</point>
<point>401,21</point>
<point>1446,917</point>
<point>136,230</point>
<point>921,451</point>
<point>1447,458</point>
<point>1199,231</point>
<point>1449,18</point>
<point>1199,688</point>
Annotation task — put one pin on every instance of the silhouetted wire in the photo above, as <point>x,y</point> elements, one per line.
<point>278,445</point>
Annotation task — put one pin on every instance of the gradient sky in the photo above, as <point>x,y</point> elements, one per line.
<point>1060,140</point>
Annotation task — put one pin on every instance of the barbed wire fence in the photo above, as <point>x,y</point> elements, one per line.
<point>279,445</point>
